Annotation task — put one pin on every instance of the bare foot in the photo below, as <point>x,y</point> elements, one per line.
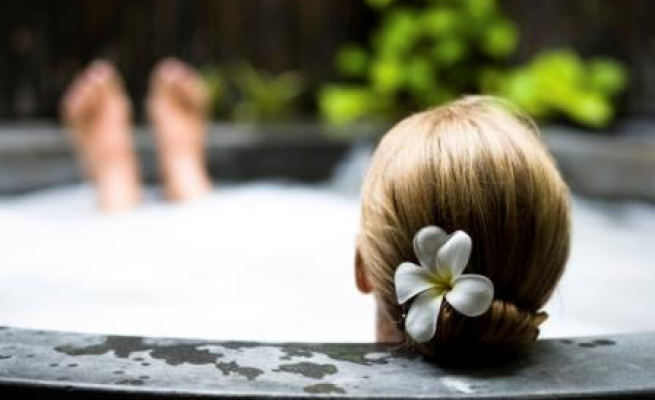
<point>98,114</point>
<point>177,104</point>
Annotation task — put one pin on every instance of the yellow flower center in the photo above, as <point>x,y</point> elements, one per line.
<point>442,284</point>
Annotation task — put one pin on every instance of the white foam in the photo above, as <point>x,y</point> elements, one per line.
<point>255,262</point>
<point>608,285</point>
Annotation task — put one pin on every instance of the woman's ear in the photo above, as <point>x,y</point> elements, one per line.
<point>361,278</point>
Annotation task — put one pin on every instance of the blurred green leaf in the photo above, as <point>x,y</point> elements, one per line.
<point>500,39</point>
<point>449,50</point>
<point>560,74</point>
<point>522,87</point>
<point>420,75</point>
<point>435,97</point>
<point>264,97</point>
<point>341,105</point>
<point>559,67</point>
<point>352,61</point>
<point>386,75</point>
<point>607,76</point>
<point>440,21</point>
<point>590,109</point>
<point>490,79</point>
<point>480,9</point>
<point>399,33</point>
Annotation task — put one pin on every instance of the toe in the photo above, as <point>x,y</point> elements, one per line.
<point>192,89</point>
<point>178,86</point>
<point>67,100</point>
<point>166,70</point>
<point>197,92</point>
<point>83,101</point>
<point>102,67</point>
<point>101,73</point>
<point>104,73</point>
<point>70,100</point>
<point>98,83</point>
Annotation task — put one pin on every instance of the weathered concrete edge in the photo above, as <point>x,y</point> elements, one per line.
<point>561,369</point>
<point>102,390</point>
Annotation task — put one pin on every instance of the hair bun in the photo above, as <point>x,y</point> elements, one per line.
<point>508,325</point>
<point>502,331</point>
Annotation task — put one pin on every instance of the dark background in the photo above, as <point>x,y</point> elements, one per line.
<point>44,42</point>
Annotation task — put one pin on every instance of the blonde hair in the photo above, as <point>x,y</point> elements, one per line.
<point>474,165</point>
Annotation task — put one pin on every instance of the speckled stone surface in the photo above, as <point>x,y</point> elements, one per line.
<point>40,364</point>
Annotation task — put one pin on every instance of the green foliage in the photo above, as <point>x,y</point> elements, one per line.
<point>264,97</point>
<point>244,94</point>
<point>352,61</point>
<point>501,39</point>
<point>426,52</point>
<point>607,76</point>
<point>218,87</point>
<point>342,104</point>
<point>559,82</point>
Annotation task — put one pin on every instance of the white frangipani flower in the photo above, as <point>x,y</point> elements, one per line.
<point>443,258</point>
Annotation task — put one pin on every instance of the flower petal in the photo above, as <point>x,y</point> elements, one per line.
<point>411,280</point>
<point>453,256</point>
<point>421,322</point>
<point>471,294</point>
<point>426,244</point>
